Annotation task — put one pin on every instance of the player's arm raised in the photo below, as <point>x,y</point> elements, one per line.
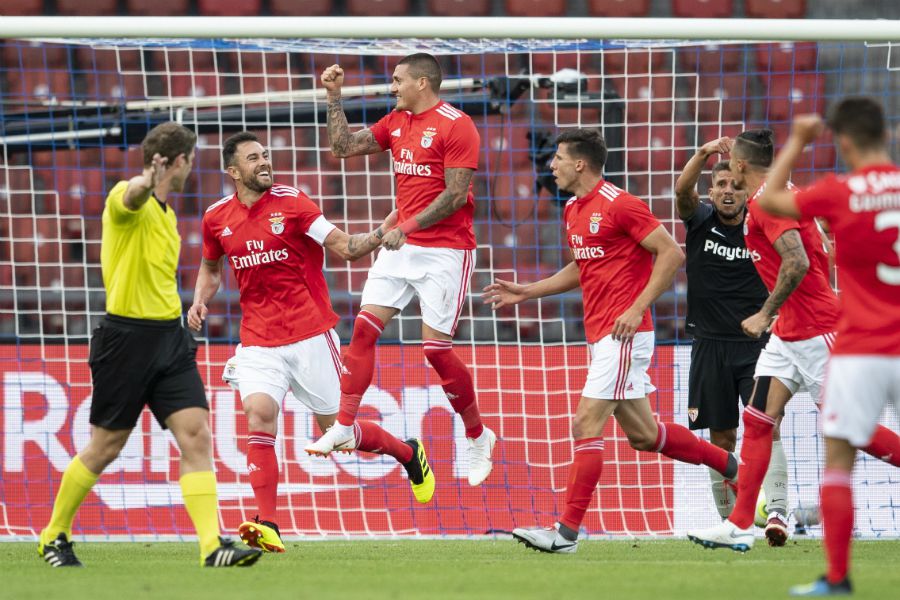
<point>669,257</point>
<point>447,202</point>
<point>775,198</point>
<point>686,197</point>
<point>506,293</point>
<point>344,143</point>
<point>794,265</point>
<point>352,247</point>
<point>208,281</point>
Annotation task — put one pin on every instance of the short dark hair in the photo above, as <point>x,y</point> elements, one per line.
<point>722,165</point>
<point>756,146</point>
<point>168,140</point>
<point>587,144</point>
<point>424,65</point>
<point>229,147</point>
<point>861,119</point>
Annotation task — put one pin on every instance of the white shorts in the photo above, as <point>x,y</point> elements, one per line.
<point>857,388</point>
<point>310,368</point>
<point>798,365</point>
<point>618,370</point>
<point>438,276</point>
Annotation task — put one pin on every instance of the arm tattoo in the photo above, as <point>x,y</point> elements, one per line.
<point>450,200</point>
<point>360,244</point>
<point>343,143</point>
<point>794,264</point>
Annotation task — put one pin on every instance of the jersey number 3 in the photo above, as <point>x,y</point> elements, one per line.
<point>886,273</point>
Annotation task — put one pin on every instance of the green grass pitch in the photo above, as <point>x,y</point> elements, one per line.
<point>428,570</point>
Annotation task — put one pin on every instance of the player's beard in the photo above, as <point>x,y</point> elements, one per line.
<point>254,184</point>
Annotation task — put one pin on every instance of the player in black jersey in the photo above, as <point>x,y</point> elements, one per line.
<point>724,288</point>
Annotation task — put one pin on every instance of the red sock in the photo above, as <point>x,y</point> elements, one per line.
<point>677,441</point>
<point>584,475</point>
<point>756,452</point>
<point>370,437</point>
<point>457,383</point>
<point>836,505</point>
<point>885,446</point>
<point>359,364</point>
<point>262,464</point>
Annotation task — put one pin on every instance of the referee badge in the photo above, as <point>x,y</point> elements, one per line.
<point>277,225</point>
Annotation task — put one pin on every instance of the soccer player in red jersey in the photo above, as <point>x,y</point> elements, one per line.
<point>431,254</point>
<point>614,237</point>
<point>792,262</point>
<point>862,209</point>
<point>273,237</point>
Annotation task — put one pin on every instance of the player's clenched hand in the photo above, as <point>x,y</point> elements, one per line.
<point>503,293</point>
<point>196,315</point>
<point>393,240</point>
<point>757,324</point>
<point>807,128</point>
<point>626,325</point>
<point>720,146</point>
<point>333,79</point>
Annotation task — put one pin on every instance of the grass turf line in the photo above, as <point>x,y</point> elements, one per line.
<point>653,570</point>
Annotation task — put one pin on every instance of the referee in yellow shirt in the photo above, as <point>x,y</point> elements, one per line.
<point>141,355</point>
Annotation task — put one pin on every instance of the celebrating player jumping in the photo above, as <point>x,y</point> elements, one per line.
<point>431,254</point>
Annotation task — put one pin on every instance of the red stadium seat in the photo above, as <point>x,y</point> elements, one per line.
<point>786,57</point>
<point>775,9</point>
<point>307,8</point>
<point>535,8</point>
<point>87,7</point>
<point>189,74</point>
<point>797,94</point>
<point>477,65</point>
<point>506,142</point>
<point>157,8</point>
<point>551,62</point>
<point>39,84</point>
<point>648,99</point>
<point>618,8</point>
<point>658,148</point>
<point>378,8</point>
<point>722,98</point>
<point>633,61</point>
<point>513,197</point>
<point>81,191</point>
<point>459,8</point>
<point>703,9</point>
<point>217,8</point>
<point>112,74</point>
<point>23,8</point>
<point>33,55</point>
<point>711,58</point>
<point>708,133</point>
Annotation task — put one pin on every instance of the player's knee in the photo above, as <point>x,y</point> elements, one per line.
<point>725,439</point>
<point>642,441</point>
<point>262,415</point>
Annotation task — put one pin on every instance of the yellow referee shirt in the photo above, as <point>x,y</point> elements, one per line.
<point>139,257</point>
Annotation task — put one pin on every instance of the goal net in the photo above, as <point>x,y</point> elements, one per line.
<point>74,112</point>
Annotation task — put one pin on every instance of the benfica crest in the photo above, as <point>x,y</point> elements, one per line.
<point>277,225</point>
<point>428,137</point>
<point>595,222</point>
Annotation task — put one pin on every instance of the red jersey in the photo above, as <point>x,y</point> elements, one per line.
<point>275,251</point>
<point>605,230</point>
<point>423,146</point>
<point>812,308</point>
<point>863,211</point>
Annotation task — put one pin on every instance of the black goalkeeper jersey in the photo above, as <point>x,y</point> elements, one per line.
<point>723,285</point>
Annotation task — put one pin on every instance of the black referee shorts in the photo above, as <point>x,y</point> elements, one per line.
<point>721,372</point>
<point>137,362</point>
